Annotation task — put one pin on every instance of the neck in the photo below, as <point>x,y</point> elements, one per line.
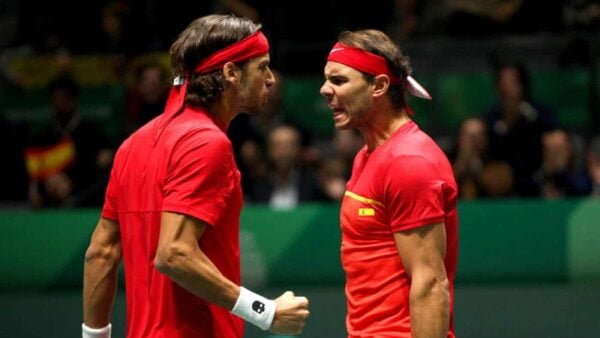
<point>382,127</point>
<point>226,108</point>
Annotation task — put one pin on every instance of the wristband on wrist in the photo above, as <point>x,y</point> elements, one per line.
<point>88,332</point>
<point>254,308</point>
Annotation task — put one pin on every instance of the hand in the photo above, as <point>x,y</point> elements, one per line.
<point>290,314</point>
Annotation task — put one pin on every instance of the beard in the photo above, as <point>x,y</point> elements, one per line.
<point>252,104</point>
<point>253,110</point>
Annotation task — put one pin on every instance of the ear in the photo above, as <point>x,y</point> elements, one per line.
<point>381,85</point>
<point>231,73</point>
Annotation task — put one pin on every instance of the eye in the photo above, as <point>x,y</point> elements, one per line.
<point>264,66</point>
<point>337,80</point>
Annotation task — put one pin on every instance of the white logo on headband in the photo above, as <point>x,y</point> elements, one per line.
<point>178,81</point>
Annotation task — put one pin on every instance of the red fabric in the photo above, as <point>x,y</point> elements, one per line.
<point>405,183</point>
<point>191,171</point>
<point>245,49</point>
<point>361,60</point>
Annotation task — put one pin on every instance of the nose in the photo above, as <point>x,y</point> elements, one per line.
<point>270,80</point>
<point>326,91</point>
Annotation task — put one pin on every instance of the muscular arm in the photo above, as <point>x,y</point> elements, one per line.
<point>422,251</point>
<point>101,266</point>
<point>180,257</point>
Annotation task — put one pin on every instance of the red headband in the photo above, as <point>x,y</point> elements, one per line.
<point>245,49</point>
<point>361,60</point>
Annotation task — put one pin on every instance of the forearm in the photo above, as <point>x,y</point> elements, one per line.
<point>429,308</point>
<point>99,287</point>
<point>192,270</point>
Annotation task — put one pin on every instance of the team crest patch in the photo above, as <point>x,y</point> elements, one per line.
<point>366,212</point>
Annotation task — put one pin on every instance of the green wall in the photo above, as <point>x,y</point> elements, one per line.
<point>527,268</point>
<point>500,241</point>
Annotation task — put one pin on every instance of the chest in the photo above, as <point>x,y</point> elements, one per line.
<point>364,212</point>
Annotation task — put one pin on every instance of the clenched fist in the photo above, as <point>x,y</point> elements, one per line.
<point>290,314</point>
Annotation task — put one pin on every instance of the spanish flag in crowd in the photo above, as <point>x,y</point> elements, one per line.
<point>47,161</point>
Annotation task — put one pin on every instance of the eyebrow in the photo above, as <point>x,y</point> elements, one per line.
<point>335,76</point>
<point>264,62</point>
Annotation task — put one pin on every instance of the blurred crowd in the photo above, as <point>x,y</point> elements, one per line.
<point>298,30</point>
<point>516,148</point>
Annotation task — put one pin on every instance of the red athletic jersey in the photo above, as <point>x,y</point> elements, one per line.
<point>190,170</point>
<point>405,183</point>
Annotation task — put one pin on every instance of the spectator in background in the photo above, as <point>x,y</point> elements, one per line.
<point>516,124</point>
<point>582,15</point>
<point>331,178</point>
<point>347,144</point>
<point>335,165</point>
<point>476,175</point>
<point>593,165</point>
<point>558,175</point>
<point>115,35</point>
<point>288,182</point>
<point>147,98</point>
<point>69,160</point>
<point>469,156</point>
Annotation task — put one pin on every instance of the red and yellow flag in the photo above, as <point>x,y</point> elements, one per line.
<point>44,162</point>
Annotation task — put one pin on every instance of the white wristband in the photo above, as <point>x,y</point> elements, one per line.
<point>88,332</point>
<point>254,308</point>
